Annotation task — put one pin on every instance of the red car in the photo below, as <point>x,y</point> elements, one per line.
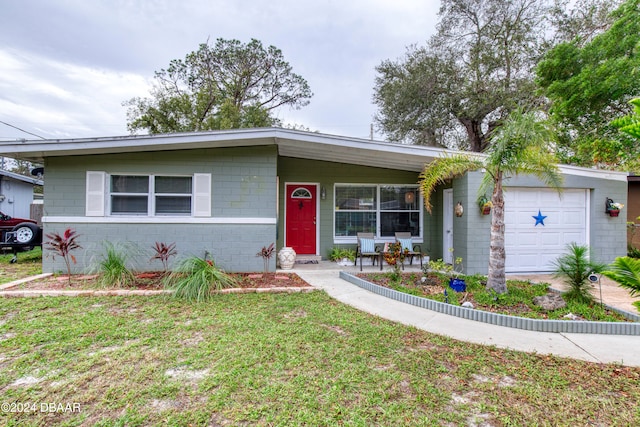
<point>24,232</point>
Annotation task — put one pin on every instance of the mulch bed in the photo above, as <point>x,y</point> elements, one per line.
<point>153,281</point>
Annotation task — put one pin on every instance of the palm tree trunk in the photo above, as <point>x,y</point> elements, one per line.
<point>496,279</point>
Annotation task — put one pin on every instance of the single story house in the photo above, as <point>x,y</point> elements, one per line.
<point>16,194</point>
<point>229,193</point>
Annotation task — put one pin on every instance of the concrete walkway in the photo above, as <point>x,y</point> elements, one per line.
<point>621,349</point>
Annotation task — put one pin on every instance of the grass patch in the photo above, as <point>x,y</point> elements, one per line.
<point>517,302</point>
<point>286,359</point>
<point>29,264</point>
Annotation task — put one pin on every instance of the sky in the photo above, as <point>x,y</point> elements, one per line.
<point>66,66</point>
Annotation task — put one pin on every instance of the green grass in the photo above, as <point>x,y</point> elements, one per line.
<point>281,359</point>
<point>29,264</point>
<point>517,302</point>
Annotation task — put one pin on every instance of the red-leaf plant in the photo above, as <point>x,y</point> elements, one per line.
<point>266,253</point>
<point>63,245</point>
<point>164,252</point>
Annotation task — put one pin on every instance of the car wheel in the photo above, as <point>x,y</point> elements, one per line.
<point>26,233</point>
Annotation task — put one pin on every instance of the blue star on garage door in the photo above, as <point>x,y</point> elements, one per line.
<point>539,218</point>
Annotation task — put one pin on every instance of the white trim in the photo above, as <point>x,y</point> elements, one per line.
<point>286,197</point>
<point>201,194</point>
<point>307,196</point>
<point>594,173</point>
<point>378,211</point>
<point>95,187</point>
<point>289,143</point>
<point>154,220</point>
<point>447,222</point>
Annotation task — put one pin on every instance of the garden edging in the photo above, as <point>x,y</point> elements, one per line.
<point>537,325</point>
<point>7,292</point>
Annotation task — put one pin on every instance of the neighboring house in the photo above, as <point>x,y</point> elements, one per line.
<point>633,211</point>
<point>229,193</point>
<point>16,194</point>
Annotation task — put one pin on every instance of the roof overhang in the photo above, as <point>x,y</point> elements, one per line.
<point>289,143</point>
<point>19,177</point>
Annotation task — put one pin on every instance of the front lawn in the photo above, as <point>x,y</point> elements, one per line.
<point>279,359</point>
<point>29,264</point>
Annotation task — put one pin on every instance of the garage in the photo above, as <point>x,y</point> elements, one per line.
<point>539,223</point>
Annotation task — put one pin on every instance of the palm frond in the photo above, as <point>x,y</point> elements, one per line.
<point>625,271</point>
<point>574,267</point>
<point>522,146</point>
<point>442,169</point>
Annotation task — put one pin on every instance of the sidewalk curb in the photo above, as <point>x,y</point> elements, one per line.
<point>536,325</point>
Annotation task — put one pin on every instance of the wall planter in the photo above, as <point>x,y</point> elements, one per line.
<point>287,258</point>
<point>485,205</point>
<point>613,208</point>
<point>458,285</point>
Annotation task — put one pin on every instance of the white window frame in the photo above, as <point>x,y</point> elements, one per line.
<point>98,195</point>
<point>377,209</point>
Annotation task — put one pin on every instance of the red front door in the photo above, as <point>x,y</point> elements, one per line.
<point>301,218</point>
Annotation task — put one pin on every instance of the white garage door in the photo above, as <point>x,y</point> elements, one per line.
<point>539,223</point>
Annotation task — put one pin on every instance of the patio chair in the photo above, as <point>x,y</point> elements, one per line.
<point>366,248</point>
<point>404,238</point>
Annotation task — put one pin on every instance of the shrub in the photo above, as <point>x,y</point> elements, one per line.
<point>163,252</point>
<point>625,271</point>
<point>195,278</point>
<point>113,269</point>
<point>337,254</point>
<point>575,267</point>
<point>266,253</point>
<point>63,245</point>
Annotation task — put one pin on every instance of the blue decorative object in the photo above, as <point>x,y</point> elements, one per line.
<point>458,285</point>
<point>367,246</point>
<point>539,218</point>
<point>406,244</point>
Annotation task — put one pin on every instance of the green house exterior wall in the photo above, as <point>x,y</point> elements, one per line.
<point>607,235</point>
<point>248,200</point>
<point>327,174</point>
<point>243,182</point>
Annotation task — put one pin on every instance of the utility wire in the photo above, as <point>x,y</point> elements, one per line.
<point>21,130</point>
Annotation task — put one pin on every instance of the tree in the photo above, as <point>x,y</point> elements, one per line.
<point>224,86</point>
<point>470,76</point>
<point>625,271</point>
<point>582,22</point>
<point>630,124</point>
<point>589,84</point>
<point>519,146</point>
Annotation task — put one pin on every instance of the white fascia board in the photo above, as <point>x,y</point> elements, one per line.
<point>155,220</point>
<point>594,173</point>
<point>290,143</point>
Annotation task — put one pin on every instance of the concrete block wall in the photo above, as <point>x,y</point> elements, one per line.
<point>329,173</point>
<point>607,235</point>
<point>232,248</point>
<point>243,186</point>
<point>471,232</point>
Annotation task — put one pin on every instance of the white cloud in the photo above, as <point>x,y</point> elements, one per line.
<point>73,62</point>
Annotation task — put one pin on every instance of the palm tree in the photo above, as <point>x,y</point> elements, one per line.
<point>519,146</point>
<point>625,271</point>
